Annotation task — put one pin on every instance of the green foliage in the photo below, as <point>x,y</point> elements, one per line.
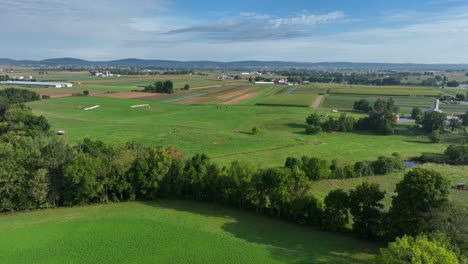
<point>316,169</point>
<point>336,215</point>
<point>460,97</point>
<point>366,207</point>
<point>85,92</point>
<point>435,136</point>
<point>80,177</point>
<point>465,119</point>
<point>255,130</point>
<point>187,87</point>
<point>20,120</point>
<point>433,121</point>
<point>416,250</point>
<point>362,105</point>
<point>313,130</point>
<point>313,119</point>
<point>420,191</point>
<point>453,83</point>
<point>382,119</point>
<point>417,114</point>
<point>457,154</point>
<point>161,87</point>
<point>384,165</point>
<point>18,96</point>
<point>450,222</point>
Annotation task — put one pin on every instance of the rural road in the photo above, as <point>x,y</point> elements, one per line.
<point>316,104</point>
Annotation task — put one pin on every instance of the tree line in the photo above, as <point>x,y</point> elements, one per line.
<point>40,170</point>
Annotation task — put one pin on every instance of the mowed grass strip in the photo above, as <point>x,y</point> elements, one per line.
<point>169,232</point>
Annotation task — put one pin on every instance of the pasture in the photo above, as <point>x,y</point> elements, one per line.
<point>169,232</point>
<point>223,132</point>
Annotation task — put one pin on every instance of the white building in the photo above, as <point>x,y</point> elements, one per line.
<point>43,84</point>
<point>434,107</point>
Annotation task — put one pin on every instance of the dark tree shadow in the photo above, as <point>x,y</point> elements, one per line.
<point>285,241</point>
<point>295,125</point>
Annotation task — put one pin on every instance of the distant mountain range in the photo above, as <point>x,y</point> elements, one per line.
<point>139,63</point>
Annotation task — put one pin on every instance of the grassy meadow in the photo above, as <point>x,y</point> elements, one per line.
<point>169,232</point>
<point>224,133</point>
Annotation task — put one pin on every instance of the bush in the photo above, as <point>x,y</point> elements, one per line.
<point>313,130</point>
<point>362,105</point>
<point>85,92</point>
<point>186,87</point>
<point>416,250</point>
<point>457,154</point>
<point>255,130</point>
<point>435,136</point>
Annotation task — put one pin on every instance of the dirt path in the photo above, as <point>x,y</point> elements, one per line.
<point>316,104</point>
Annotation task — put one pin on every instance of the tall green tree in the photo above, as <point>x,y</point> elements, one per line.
<point>80,179</point>
<point>336,212</point>
<point>366,207</point>
<point>420,191</point>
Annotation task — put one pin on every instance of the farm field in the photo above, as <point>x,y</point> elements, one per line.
<point>221,132</point>
<point>293,96</point>
<point>169,232</point>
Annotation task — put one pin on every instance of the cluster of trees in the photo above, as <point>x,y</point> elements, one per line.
<point>461,97</point>
<point>317,169</point>
<point>381,119</point>
<point>452,83</point>
<point>4,78</point>
<point>315,125</point>
<point>436,122</point>
<point>160,87</point>
<point>11,96</point>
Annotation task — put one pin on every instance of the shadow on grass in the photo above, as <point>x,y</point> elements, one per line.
<point>246,133</point>
<point>295,125</point>
<point>285,241</point>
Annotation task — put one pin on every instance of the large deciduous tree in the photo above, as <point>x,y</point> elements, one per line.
<point>420,191</point>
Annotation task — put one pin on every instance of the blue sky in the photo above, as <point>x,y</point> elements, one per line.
<point>433,31</point>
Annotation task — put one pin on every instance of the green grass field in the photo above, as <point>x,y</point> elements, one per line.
<point>168,232</point>
<point>222,133</point>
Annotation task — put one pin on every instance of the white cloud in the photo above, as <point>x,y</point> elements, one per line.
<point>308,19</point>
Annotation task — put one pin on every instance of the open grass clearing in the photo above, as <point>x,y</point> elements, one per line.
<point>155,232</point>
